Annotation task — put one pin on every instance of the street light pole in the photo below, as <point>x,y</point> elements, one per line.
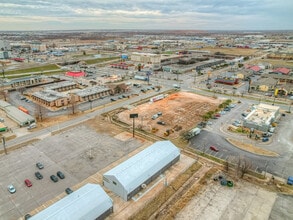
<point>133,116</point>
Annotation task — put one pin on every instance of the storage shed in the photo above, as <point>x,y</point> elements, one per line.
<point>129,177</point>
<point>88,202</point>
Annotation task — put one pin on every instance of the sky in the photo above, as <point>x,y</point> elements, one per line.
<point>146,14</point>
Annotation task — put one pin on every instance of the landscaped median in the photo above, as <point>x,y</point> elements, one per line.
<point>251,148</point>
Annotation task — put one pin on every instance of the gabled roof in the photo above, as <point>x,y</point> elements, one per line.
<point>255,68</point>
<point>88,202</point>
<point>282,70</point>
<point>139,168</point>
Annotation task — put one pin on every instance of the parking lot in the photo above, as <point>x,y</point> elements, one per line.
<point>78,153</point>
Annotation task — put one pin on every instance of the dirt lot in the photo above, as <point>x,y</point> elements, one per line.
<point>243,201</point>
<point>233,51</point>
<point>180,111</point>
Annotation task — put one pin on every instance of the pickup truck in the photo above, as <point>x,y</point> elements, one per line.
<point>290,180</point>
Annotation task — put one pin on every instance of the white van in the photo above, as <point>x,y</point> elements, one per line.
<point>31,126</point>
<point>176,86</point>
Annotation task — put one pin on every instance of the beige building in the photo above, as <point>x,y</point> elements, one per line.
<point>92,93</point>
<point>50,98</point>
<point>262,117</point>
<point>146,58</point>
<point>264,84</point>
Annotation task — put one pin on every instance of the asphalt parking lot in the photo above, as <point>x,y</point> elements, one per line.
<point>78,153</point>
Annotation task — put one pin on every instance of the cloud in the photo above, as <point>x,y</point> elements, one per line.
<point>141,14</point>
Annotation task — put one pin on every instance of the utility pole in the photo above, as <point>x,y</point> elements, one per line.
<point>133,116</point>
<point>3,141</point>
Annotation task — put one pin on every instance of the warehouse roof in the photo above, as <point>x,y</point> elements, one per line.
<point>137,169</point>
<point>49,95</point>
<point>15,114</point>
<point>59,85</point>
<point>91,91</point>
<point>88,202</point>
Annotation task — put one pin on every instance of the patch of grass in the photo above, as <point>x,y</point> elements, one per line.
<point>231,51</point>
<point>100,60</point>
<point>251,148</point>
<point>33,69</point>
<point>189,195</point>
<point>275,62</point>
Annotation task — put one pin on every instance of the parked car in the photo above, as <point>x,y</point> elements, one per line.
<point>27,216</point>
<point>113,100</point>
<point>265,139</point>
<point>290,180</point>
<point>244,114</point>
<point>28,183</point>
<point>155,116</point>
<point>209,123</point>
<point>68,191</point>
<point>11,189</point>
<point>267,134</point>
<point>60,175</point>
<point>161,123</point>
<point>39,175</point>
<point>40,165</point>
<point>54,178</point>
<point>236,124</point>
<point>159,113</point>
<point>214,148</point>
<point>31,126</point>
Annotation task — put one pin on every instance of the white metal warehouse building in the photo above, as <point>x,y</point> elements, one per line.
<point>88,202</point>
<point>21,118</point>
<point>126,179</point>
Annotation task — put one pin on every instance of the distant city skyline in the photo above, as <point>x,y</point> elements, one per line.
<point>30,15</point>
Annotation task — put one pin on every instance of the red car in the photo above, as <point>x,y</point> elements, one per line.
<point>28,183</point>
<point>214,148</point>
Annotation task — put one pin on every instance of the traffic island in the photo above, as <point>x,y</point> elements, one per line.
<point>251,148</point>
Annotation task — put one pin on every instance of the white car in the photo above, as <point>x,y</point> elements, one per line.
<point>11,189</point>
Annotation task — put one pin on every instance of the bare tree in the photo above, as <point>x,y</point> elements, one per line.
<point>229,162</point>
<point>40,112</point>
<point>73,104</point>
<point>242,166</point>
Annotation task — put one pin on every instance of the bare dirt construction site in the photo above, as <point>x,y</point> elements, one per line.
<point>180,112</point>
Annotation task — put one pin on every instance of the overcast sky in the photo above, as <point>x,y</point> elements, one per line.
<point>146,14</point>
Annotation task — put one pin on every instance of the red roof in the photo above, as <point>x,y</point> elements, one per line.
<point>75,74</point>
<point>282,70</point>
<point>255,68</point>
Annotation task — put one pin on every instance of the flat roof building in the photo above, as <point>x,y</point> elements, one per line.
<point>261,117</point>
<point>128,178</point>
<point>20,117</point>
<point>88,202</point>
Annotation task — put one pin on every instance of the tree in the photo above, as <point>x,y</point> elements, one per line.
<point>40,112</point>
<point>243,165</point>
<point>73,103</point>
<point>117,89</point>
